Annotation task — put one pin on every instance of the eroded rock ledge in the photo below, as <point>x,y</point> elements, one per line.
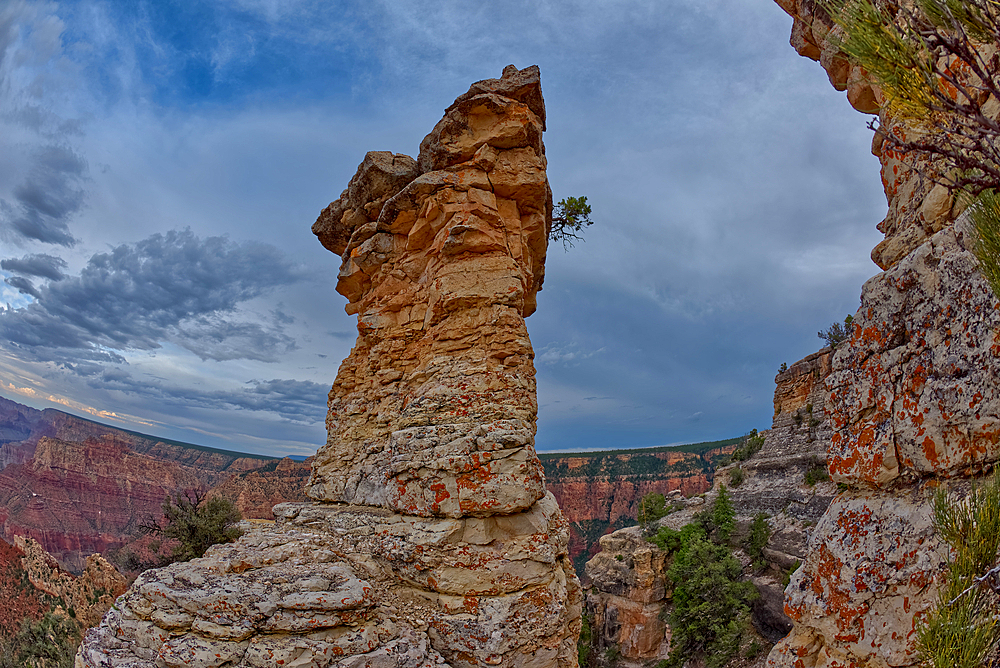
<point>432,540</point>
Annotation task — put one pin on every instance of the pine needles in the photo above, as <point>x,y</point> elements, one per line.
<point>985,216</point>
<point>963,631</point>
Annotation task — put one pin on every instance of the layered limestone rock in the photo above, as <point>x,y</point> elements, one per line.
<point>628,590</point>
<point>433,413</point>
<point>431,540</point>
<point>913,407</point>
<point>774,478</point>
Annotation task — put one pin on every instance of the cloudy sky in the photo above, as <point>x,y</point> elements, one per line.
<point>161,163</point>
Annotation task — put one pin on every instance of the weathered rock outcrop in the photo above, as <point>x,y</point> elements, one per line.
<point>89,595</point>
<point>432,540</point>
<point>628,589</point>
<point>442,260</point>
<point>913,405</point>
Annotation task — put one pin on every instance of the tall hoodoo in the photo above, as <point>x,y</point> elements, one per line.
<point>431,540</point>
<point>913,403</point>
<point>433,413</point>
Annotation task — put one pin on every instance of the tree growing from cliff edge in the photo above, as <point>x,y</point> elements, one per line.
<point>926,57</point>
<point>569,217</point>
<point>837,333</point>
<point>196,524</point>
<point>652,507</point>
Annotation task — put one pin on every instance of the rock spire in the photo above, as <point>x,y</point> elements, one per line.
<point>431,540</point>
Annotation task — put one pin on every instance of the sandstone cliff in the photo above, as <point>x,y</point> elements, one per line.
<point>432,539</point>
<point>629,596</point>
<point>913,406</point>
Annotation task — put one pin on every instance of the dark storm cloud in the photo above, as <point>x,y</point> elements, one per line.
<point>213,337</point>
<point>23,285</point>
<point>48,197</point>
<point>169,287</point>
<point>297,401</point>
<point>39,264</point>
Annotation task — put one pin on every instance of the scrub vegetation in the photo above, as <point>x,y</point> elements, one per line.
<point>711,601</point>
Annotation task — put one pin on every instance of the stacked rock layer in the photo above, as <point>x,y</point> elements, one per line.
<point>913,405</point>
<point>432,540</point>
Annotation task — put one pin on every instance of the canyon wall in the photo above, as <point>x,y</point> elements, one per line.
<point>80,487</point>
<point>600,492</point>
<point>431,540</point>
<point>913,406</point>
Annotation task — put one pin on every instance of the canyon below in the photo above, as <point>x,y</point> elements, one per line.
<point>79,487</point>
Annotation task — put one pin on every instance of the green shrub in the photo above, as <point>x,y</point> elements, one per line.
<point>836,333</point>
<point>197,524</point>
<point>710,603</point>
<point>736,476</point>
<point>788,574</point>
<point>963,630</point>
<point>817,472</point>
<point>749,446</point>
<point>723,515</point>
<point>583,644</point>
<point>671,540</point>
<point>757,537</point>
<point>651,508</point>
<point>50,642</point>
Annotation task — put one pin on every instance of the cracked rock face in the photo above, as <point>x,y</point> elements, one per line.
<point>912,404</point>
<point>432,540</point>
<point>353,586</point>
